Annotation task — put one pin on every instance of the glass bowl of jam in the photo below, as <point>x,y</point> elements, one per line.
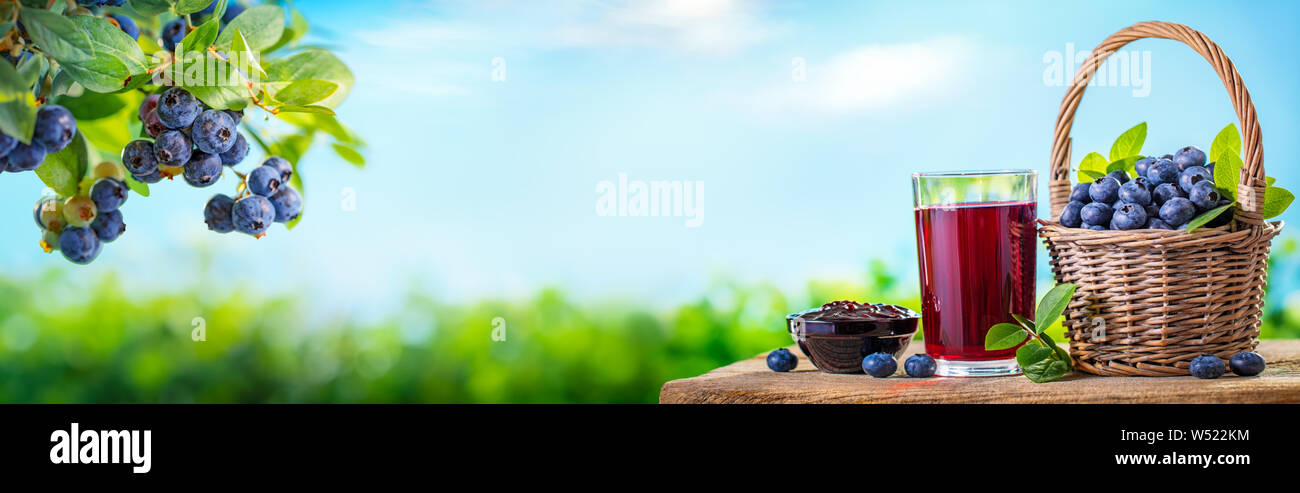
<point>837,336</point>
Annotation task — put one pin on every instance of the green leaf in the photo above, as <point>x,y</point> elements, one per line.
<point>320,110</point>
<point>246,57</point>
<point>305,92</point>
<point>201,38</point>
<point>1228,140</point>
<point>350,155</point>
<point>118,59</point>
<point>56,35</point>
<point>1004,336</point>
<point>191,6</point>
<point>1269,181</point>
<point>93,106</point>
<point>1208,216</point>
<point>32,69</point>
<point>17,105</point>
<point>1127,165</point>
<point>1053,305</point>
<point>1060,352</point>
<point>1227,174</point>
<point>151,8</point>
<point>1024,322</point>
<point>137,186</point>
<point>63,170</point>
<point>313,63</point>
<point>1046,370</point>
<point>1276,200</point>
<point>261,26</point>
<point>1129,143</point>
<point>1032,353</point>
<point>1092,167</point>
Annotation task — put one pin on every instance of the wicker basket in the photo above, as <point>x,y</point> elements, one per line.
<point>1165,296</point>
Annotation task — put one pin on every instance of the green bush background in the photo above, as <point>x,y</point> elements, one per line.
<point>116,348</point>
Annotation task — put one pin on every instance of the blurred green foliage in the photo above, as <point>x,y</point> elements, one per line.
<point>60,342</point>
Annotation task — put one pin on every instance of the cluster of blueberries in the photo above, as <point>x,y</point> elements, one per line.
<point>1168,192</point>
<point>879,365</point>
<point>270,200</point>
<point>190,139</point>
<point>175,30</point>
<point>1244,364</point>
<point>55,128</point>
<point>79,226</point>
<point>198,142</point>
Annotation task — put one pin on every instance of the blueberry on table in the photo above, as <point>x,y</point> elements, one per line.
<point>177,108</point>
<point>25,157</point>
<point>1178,210</point>
<point>1189,157</point>
<point>1080,193</point>
<point>1207,367</point>
<point>109,194</point>
<point>920,366</point>
<point>79,245</point>
<point>1070,215</point>
<point>1141,166</point>
<point>264,181</point>
<point>173,148</point>
<point>1165,191</point>
<point>1191,176</point>
<point>1162,171</point>
<point>1096,214</point>
<point>1246,364</point>
<point>1135,193</point>
<point>287,204</point>
<point>213,132</point>
<point>55,127</point>
<point>781,360</point>
<point>879,365</point>
<point>203,170</point>
<point>1204,196</point>
<point>1105,190</point>
<point>253,215</point>
<point>1129,216</point>
<point>108,226</point>
<point>217,213</point>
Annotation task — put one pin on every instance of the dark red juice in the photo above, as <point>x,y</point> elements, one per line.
<point>977,267</point>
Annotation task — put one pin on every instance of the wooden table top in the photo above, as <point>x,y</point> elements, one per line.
<point>751,382</point>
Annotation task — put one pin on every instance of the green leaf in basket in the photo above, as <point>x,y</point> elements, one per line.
<point>1129,143</point>
<point>1004,336</point>
<point>1276,200</point>
<point>1227,174</point>
<point>1092,167</point>
<point>1228,140</point>
<point>1208,216</point>
<point>1053,305</point>
<point>1127,165</point>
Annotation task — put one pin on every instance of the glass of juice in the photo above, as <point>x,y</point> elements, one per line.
<point>977,249</point>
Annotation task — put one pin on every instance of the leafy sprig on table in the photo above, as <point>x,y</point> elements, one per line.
<point>1225,152</point>
<point>1041,359</point>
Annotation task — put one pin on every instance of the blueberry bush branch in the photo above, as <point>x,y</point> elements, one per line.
<point>1041,359</point>
<point>77,88</point>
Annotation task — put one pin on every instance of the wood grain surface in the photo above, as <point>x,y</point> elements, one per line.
<point>750,382</point>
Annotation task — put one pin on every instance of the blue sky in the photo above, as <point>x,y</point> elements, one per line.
<point>480,188</point>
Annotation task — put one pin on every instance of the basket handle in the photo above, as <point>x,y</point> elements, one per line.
<point>1250,191</point>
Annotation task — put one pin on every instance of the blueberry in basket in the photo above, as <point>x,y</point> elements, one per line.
<point>839,335</point>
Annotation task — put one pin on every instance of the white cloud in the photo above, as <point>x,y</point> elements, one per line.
<point>697,26</point>
<point>876,76</point>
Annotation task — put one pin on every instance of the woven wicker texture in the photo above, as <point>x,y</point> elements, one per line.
<point>1149,301</point>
